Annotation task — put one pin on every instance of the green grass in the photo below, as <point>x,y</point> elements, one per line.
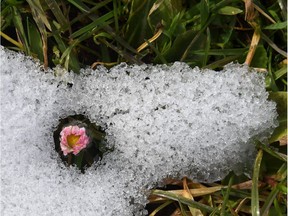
<point>203,33</point>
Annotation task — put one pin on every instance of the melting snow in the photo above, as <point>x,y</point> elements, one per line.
<point>161,120</point>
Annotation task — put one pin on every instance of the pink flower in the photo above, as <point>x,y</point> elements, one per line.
<point>73,139</point>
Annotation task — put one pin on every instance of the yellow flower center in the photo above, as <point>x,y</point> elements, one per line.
<point>72,140</point>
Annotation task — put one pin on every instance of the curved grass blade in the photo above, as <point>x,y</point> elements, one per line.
<point>159,208</point>
<point>269,201</point>
<point>273,45</point>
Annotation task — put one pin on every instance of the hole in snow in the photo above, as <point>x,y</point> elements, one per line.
<point>79,142</point>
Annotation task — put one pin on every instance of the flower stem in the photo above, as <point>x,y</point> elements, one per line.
<point>78,159</point>
<point>69,159</point>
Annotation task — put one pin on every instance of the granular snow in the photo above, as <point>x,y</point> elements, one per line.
<point>161,121</point>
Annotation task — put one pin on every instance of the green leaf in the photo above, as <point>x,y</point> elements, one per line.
<point>280,73</point>
<point>270,80</point>
<point>6,18</point>
<point>176,26</point>
<point>281,100</point>
<point>277,207</point>
<point>260,59</point>
<point>229,10</point>
<point>34,39</point>
<point>282,188</point>
<point>276,26</point>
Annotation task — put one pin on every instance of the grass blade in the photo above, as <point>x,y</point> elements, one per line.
<point>183,200</point>
<point>57,12</point>
<point>16,43</point>
<point>17,20</point>
<point>207,47</point>
<point>39,14</point>
<point>183,57</point>
<point>255,193</point>
<point>272,152</point>
<point>100,21</point>
<point>273,45</point>
<point>80,5</point>
<point>226,197</point>
<point>41,20</point>
<point>269,201</point>
<point>276,26</point>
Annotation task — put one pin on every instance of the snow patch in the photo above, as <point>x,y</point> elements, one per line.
<point>161,121</point>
